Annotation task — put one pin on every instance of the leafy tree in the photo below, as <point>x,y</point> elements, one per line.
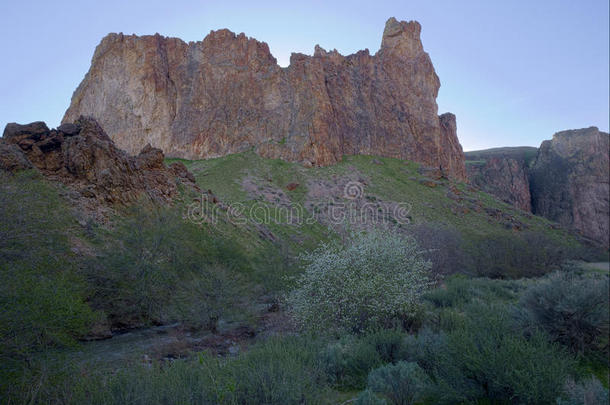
<point>157,267</point>
<point>42,299</point>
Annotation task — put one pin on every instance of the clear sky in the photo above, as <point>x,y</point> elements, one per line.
<point>514,72</point>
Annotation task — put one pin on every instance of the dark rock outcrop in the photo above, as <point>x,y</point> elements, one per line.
<point>570,182</point>
<point>12,159</point>
<point>567,176</point>
<point>82,156</point>
<point>503,172</point>
<point>227,94</point>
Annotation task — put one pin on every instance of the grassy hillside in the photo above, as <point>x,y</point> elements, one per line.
<point>388,186</point>
<point>522,153</point>
<point>383,179</point>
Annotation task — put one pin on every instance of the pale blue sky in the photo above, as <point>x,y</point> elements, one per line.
<point>514,72</point>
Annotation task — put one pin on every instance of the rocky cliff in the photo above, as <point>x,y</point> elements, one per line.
<point>83,157</point>
<point>227,94</point>
<point>503,172</point>
<point>565,180</point>
<point>570,182</point>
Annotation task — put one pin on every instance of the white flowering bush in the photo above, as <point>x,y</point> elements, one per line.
<point>377,278</point>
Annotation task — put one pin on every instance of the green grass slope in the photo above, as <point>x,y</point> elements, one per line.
<point>250,182</point>
<point>522,153</point>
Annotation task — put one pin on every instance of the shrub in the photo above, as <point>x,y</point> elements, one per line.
<point>487,358</point>
<point>588,392</point>
<point>442,245</point>
<point>378,278</point>
<point>279,371</point>
<point>42,299</point>
<point>402,383</point>
<point>156,267</point>
<point>459,290</point>
<point>526,254</point>
<point>388,343</point>
<point>349,361</point>
<point>572,310</point>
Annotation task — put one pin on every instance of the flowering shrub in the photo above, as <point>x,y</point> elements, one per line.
<point>378,278</point>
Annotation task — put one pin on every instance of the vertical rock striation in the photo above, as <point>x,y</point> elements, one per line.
<point>570,182</point>
<point>565,180</point>
<point>227,94</point>
<point>504,173</point>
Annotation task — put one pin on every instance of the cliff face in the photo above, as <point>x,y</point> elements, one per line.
<point>570,182</point>
<point>227,94</point>
<point>503,172</point>
<point>504,177</point>
<point>565,180</point>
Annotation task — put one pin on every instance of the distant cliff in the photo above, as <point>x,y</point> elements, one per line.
<point>503,172</point>
<point>227,94</point>
<point>569,182</point>
<point>565,180</point>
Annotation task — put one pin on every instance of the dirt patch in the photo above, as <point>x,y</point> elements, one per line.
<point>257,189</point>
<point>344,202</point>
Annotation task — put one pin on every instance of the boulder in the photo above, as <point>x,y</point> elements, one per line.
<point>14,132</point>
<point>12,158</point>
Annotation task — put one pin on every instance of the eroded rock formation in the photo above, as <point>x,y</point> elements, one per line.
<point>504,173</point>
<point>570,182</point>
<point>227,94</point>
<point>81,156</point>
<point>567,176</point>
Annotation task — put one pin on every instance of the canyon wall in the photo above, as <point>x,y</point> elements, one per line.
<point>570,182</point>
<point>565,180</point>
<point>503,172</point>
<point>227,94</point>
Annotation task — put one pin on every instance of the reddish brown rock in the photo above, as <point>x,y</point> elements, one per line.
<point>565,180</point>
<point>227,94</point>
<point>292,186</point>
<point>503,176</point>
<point>86,159</point>
<point>12,159</point>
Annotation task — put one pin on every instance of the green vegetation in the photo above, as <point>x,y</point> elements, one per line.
<point>491,238</point>
<point>374,281</point>
<point>275,372</point>
<point>460,305</point>
<point>525,153</point>
<point>158,268</point>
<point>42,300</point>
<point>402,383</point>
<point>571,309</point>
